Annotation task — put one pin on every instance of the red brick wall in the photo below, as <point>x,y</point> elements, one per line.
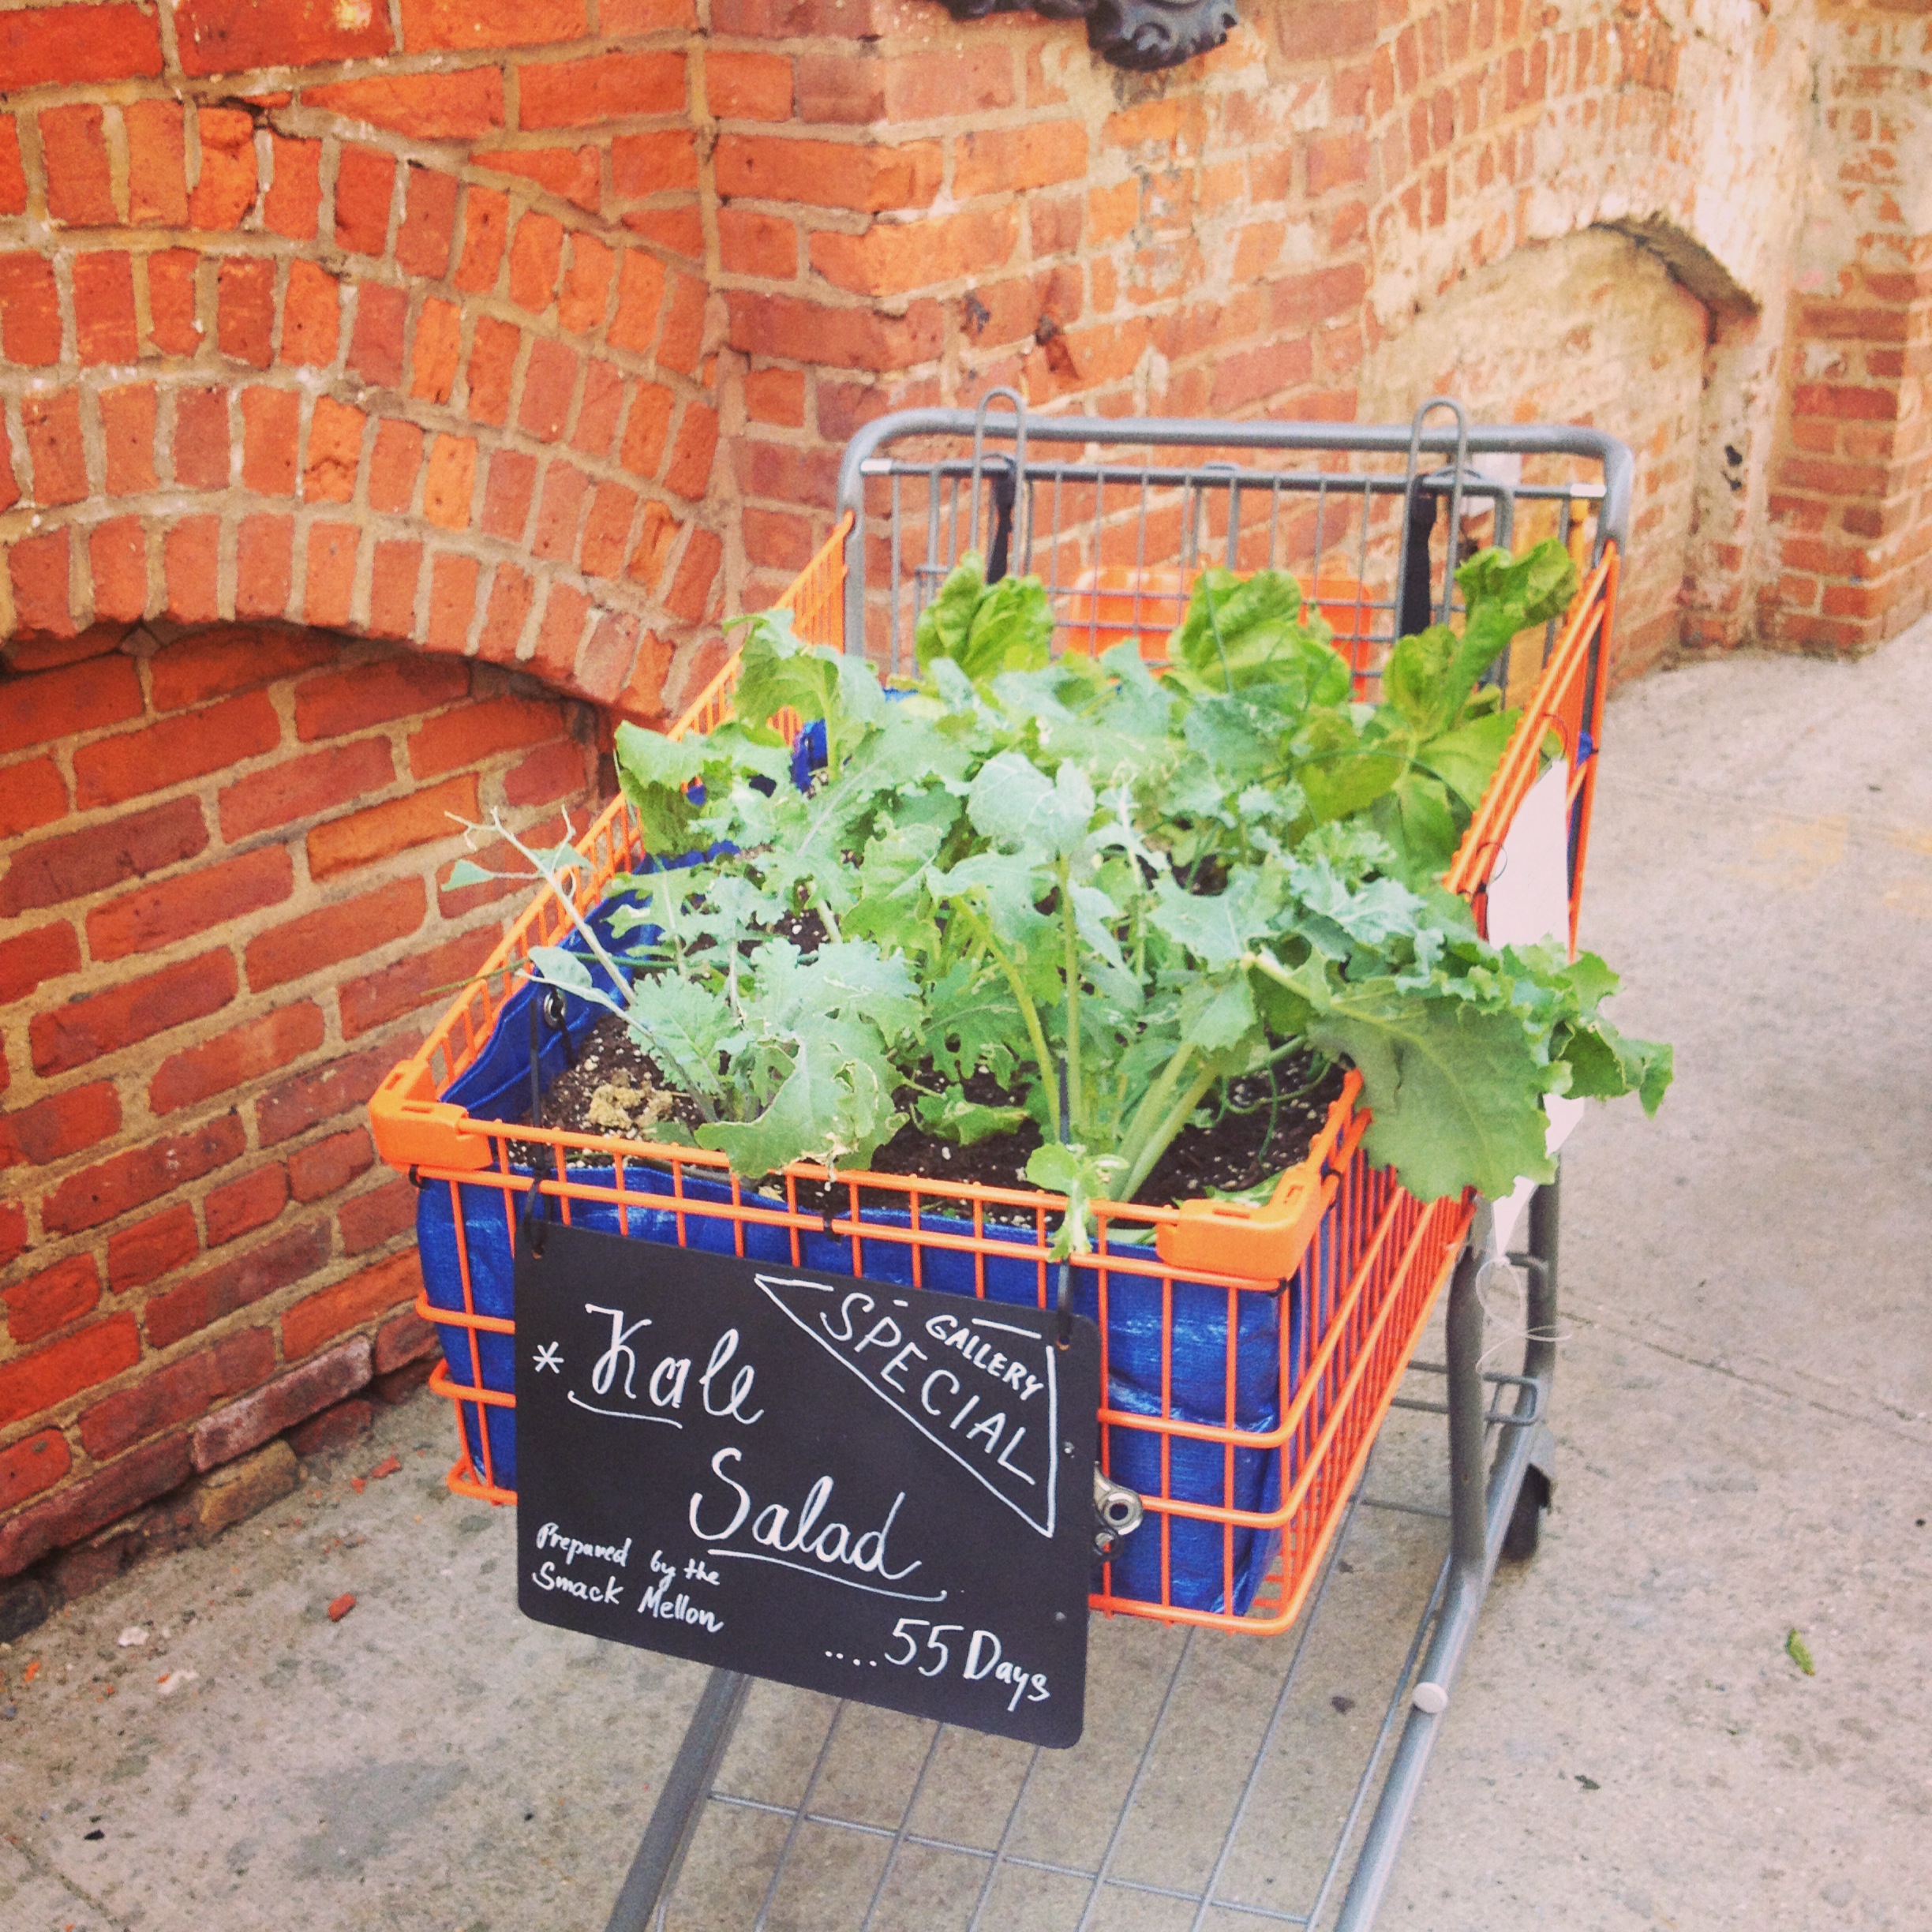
<point>220,925</point>
<point>1853,485</point>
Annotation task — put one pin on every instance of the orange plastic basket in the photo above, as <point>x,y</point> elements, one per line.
<point>1341,1266</point>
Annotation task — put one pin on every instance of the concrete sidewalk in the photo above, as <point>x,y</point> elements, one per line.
<point>1744,1406</point>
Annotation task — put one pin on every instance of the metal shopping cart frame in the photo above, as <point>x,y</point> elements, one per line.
<point>1057,497</point>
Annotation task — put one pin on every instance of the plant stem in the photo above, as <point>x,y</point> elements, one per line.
<point>1170,1124</point>
<point>1153,1103</point>
<point>1028,1011</point>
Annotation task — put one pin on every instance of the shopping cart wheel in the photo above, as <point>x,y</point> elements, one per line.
<point>1525,1523</point>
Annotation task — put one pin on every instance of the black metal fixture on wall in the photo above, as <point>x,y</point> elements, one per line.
<point>1143,35</point>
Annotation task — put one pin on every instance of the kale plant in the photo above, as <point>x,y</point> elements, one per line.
<point>1113,890</point>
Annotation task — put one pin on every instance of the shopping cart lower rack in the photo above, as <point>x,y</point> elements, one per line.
<point>1253,1355</point>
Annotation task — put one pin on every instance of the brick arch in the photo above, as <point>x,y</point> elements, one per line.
<point>419,355</point>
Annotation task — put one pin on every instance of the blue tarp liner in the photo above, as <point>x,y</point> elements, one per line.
<point>496,1086</point>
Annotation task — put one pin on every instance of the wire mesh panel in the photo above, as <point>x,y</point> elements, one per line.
<point>1117,518</point>
<point>1218,1784</point>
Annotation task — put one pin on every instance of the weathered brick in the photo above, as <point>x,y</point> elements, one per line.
<point>44,1302</point>
<point>863,338</point>
<point>606,529</point>
<point>64,703</point>
<point>39,567</point>
<point>202,438</point>
<point>381,831</point>
<point>549,383</point>
<point>149,1249</point>
<point>292,205</point>
<point>369,1220</point>
<point>748,86</point>
<point>335,933</point>
<point>321,1317</point>
<point>326,1166</point>
<point>689,471</point>
<point>557,522</point>
<point>330,587</point>
<point>428,229</point>
<point>299,787</point>
<point>78,862</point>
<point>486,216</point>
<point>599,412</point>
<point>225,192</point>
<point>536,260</point>
<point>232,1059</point>
<point>128,418</point>
<point>310,1099</point>
<point>33,793</point>
<point>41,954</point>
<point>79,188</point>
<point>395,570</point>
<point>54,447</point>
<point>491,368</point>
<point>427,107</point>
<point>117,558</point>
<point>843,175</point>
<point>85,1028</point>
<point>243,1489</point>
<point>60,1125</point>
<point>452,601</point>
<point>70,1513</point>
<point>996,161</point>
<point>45,1377</point>
<point>189,745</point>
<point>364,187</point>
<point>449,482</point>
<point>265,565</point>
<point>573,174</point>
<point>380,996</point>
<point>104,325</point>
<point>375,345</point>
<point>511,594</point>
<point>289,1399</point>
<point>159,916</point>
<point>216,1293</point>
<point>124,1181</point>
<point>249,1202</point>
<point>30,317</point>
<point>191,561</point>
<point>35,1463</point>
<point>311,318</point>
<point>549,775</point>
<point>431,25</point>
<point>403,1339</point>
<point>506,495</point>
<point>226,36</point>
<point>605,86</point>
<point>172,325</point>
<point>587,284</point>
<point>479,731</point>
<point>333,1429</point>
<point>653,164</point>
<point>394,463</point>
<point>112,41</point>
<point>245,310</point>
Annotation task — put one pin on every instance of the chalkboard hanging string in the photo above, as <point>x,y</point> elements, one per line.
<point>1064,1299</point>
<point>535,1216</point>
<point>556,1017</point>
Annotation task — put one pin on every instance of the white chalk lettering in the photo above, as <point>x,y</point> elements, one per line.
<point>547,1578</point>
<point>741,1382</point>
<point>605,1374</point>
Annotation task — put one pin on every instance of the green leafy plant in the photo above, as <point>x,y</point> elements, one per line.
<point>1113,891</point>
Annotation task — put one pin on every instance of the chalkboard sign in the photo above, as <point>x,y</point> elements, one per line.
<point>860,1488</point>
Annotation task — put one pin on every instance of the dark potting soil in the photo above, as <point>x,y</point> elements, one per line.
<point>615,1088</point>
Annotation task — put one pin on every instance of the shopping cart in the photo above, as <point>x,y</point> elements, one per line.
<point>884,1820</point>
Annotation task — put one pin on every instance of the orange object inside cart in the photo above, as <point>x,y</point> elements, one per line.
<point>1366,1258</point>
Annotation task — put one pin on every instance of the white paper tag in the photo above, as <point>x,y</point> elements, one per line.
<point>1529,901</point>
